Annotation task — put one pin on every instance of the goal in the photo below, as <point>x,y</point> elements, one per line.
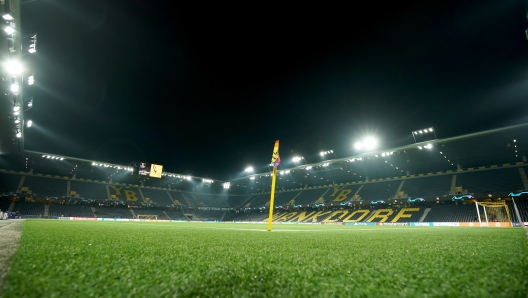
<point>493,214</point>
<point>145,216</point>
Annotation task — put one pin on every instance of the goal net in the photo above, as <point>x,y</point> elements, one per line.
<point>144,216</point>
<point>493,214</point>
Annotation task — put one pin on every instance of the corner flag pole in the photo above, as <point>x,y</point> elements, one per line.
<point>275,160</point>
<point>272,199</point>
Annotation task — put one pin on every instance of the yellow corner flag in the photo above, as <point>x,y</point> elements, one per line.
<point>275,160</point>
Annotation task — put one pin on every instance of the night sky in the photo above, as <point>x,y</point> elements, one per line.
<point>206,90</point>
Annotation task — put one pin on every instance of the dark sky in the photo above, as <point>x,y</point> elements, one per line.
<point>206,90</point>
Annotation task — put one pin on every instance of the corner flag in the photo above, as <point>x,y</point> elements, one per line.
<point>275,160</point>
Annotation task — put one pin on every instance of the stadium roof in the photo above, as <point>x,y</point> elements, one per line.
<point>492,147</point>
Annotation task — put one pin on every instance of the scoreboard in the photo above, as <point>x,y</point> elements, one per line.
<point>148,170</point>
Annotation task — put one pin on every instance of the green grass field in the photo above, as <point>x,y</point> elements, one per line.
<point>142,259</point>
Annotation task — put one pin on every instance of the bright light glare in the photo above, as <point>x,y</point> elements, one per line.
<point>226,185</point>
<point>16,108</point>
<point>29,123</point>
<point>430,129</point>
<point>322,153</point>
<point>249,170</point>
<point>19,134</point>
<point>13,67</point>
<point>9,30</point>
<point>358,145</point>
<point>8,17</point>
<point>297,159</point>
<point>252,178</point>
<point>31,80</point>
<point>368,143</point>
<point>15,88</point>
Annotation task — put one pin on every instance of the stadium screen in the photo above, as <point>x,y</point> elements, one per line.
<point>149,170</point>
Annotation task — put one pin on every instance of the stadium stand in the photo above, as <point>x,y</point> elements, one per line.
<point>490,181</point>
<point>211,200</point>
<point>46,187</point>
<point>9,182</point>
<point>160,197</point>
<point>176,215</point>
<point>379,191</point>
<point>178,196</point>
<point>29,208</point>
<point>306,197</point>
<point>112,212</point>
<point>70,210</point>
<point>89,190</point>
<point>4,204</point>
<point>433,186</point>
<point>452,213</point>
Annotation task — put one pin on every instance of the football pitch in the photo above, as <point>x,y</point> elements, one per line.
<point>148,259</point>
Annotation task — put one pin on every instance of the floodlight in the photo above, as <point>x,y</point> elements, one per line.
<point>252,178</point>
<point>15,88</point>
<point>9,30</point>
<point>420,147</point>
<point>249,170</point>
<point>13,67</point>
<point>420,131</point>
<point>48,156</point>
<point>32,50</point>
<point>29,123</point>
<point>8,17</point>
<point>30,103</point>
<point>16,108</point>
<point>431,129</point>
<point>309,168</point>
<point>62,158</point>
<point>297,158</point>
<point>31,80</point>
<point>17,120</point>
<point>226,185</point>
<point>188,178</point>
<point>322,153</point>
<point>19,134</point>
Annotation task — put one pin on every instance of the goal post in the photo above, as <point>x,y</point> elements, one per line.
<point>493,214</point>
<point>146,216</point>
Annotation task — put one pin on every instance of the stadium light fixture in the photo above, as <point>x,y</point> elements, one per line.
<point>368,143</point>
<point>29,123</point>
<point>9,30</point>
<point>17,120</point>
<point>15,88</point>
<point>423,131</point>
<point>297,158</point>
<point>249,170</point>
<point>331,151</point>
<point>31,80</point>
<point>226,185</point>
<point>8,17</point>
<point>308,168</point>
<point>252,178</point>
<point>13,67</point>
<point>19,134</point>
